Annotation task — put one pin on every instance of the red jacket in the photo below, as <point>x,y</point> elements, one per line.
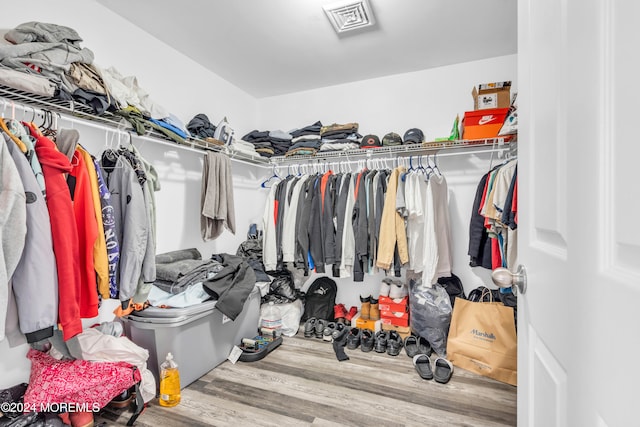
<point>63,231</point>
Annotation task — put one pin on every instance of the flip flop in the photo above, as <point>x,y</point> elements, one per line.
<point>443,370</point>
<point>411,345</point>
<point>423,366</point>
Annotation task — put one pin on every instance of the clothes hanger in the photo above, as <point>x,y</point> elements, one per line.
<point>429,169</point>
<point>266,181</point>
<point>435,165</point>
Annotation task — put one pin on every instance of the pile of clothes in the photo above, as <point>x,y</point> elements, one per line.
<point>340,137</point>
<point>48,60</point>
<point>269,143</point>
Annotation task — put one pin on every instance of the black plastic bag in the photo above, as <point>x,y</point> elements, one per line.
<point>281,290</point>
<point>453,286</point>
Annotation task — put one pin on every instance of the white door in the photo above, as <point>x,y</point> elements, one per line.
<point>579,198</point>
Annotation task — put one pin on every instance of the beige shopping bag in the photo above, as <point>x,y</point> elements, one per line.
<point>482,339</point>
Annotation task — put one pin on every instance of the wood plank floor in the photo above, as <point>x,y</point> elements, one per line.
<point>302,383</point>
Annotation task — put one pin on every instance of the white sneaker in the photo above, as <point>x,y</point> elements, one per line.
<point>384,289</point>
<point>398,291</point>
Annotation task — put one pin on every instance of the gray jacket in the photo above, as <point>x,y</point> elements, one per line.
<point>131,219</point>
<point>151,185</point>
<point>35,280</point>
<point>13,226</point>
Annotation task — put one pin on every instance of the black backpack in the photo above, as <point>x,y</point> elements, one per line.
<point>320,299</point>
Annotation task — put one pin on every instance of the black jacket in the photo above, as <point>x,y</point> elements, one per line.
<point>232,285</point>
<point>479,242</point>
<point>360,228</point>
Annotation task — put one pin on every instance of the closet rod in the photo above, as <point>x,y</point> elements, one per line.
<point>107,124</point>
<point>358,158</point>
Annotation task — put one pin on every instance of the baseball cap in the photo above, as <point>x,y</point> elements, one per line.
<point>413,136</point>
<point>392,138</point>
<point>370,141</point>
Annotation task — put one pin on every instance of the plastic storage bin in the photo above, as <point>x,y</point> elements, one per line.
<point>199,337</point>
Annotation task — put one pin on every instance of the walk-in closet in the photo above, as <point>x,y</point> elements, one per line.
<point>323,212</point>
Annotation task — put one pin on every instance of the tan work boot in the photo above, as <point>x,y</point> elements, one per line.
<point>374,311</point>
<point>364,308</point>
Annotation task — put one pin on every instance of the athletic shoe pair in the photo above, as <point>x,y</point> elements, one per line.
<point>393,289</point>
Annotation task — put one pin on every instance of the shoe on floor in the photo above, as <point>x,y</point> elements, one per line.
<point>411,345</point>
<point>310,327</point>
<point>367,340</point>
<point>423,366</point>
<point>339,332</point>
<point>353,339</point>
<point>319,328</point>
<point>380,345</point>
<point>442,371</point>
<point>424,347</point>
<point>394,343</point>
<point>328,331</point>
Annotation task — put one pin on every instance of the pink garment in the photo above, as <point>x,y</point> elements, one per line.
<point>77,382</point>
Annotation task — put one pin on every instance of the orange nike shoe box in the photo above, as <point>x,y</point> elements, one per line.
<point>394,318</point>
<point>480,124</point>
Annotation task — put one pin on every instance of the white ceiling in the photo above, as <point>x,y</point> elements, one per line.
<point>275,47</point>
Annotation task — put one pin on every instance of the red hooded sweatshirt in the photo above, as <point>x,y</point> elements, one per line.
<point>63,231</point>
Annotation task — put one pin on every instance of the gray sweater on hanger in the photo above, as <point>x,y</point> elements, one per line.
<point>35,279</point>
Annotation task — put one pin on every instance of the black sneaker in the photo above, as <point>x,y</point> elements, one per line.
<point>310,327</point>
<point>328,331</point>
<point>339,332</point>
<point>367,340</point>
<point>381,342</point>
<point>394,343</point>
<point>353,339</point>
<point>319,329</point>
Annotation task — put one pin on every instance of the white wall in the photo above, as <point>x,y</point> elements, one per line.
<point>429,100</point>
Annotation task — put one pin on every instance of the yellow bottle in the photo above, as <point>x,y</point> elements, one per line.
<point>169,383</point>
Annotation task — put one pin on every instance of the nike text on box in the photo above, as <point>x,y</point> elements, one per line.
<point>492,95</point>
<point>481,124</point>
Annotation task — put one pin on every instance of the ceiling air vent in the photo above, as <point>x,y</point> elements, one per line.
<point>349,15</point>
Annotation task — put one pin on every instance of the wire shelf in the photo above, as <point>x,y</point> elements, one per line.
<point>112,121</point>
<point>109,120</point>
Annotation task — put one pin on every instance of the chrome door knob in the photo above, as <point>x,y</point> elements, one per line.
<point>504,278</point>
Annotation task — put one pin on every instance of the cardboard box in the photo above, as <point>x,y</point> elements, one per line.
<point>398,304</point>
<point>492,95</point>
<point>483,123</point>
<point>374,325</point>
<point>394,318</point>
<point>403,331</point>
